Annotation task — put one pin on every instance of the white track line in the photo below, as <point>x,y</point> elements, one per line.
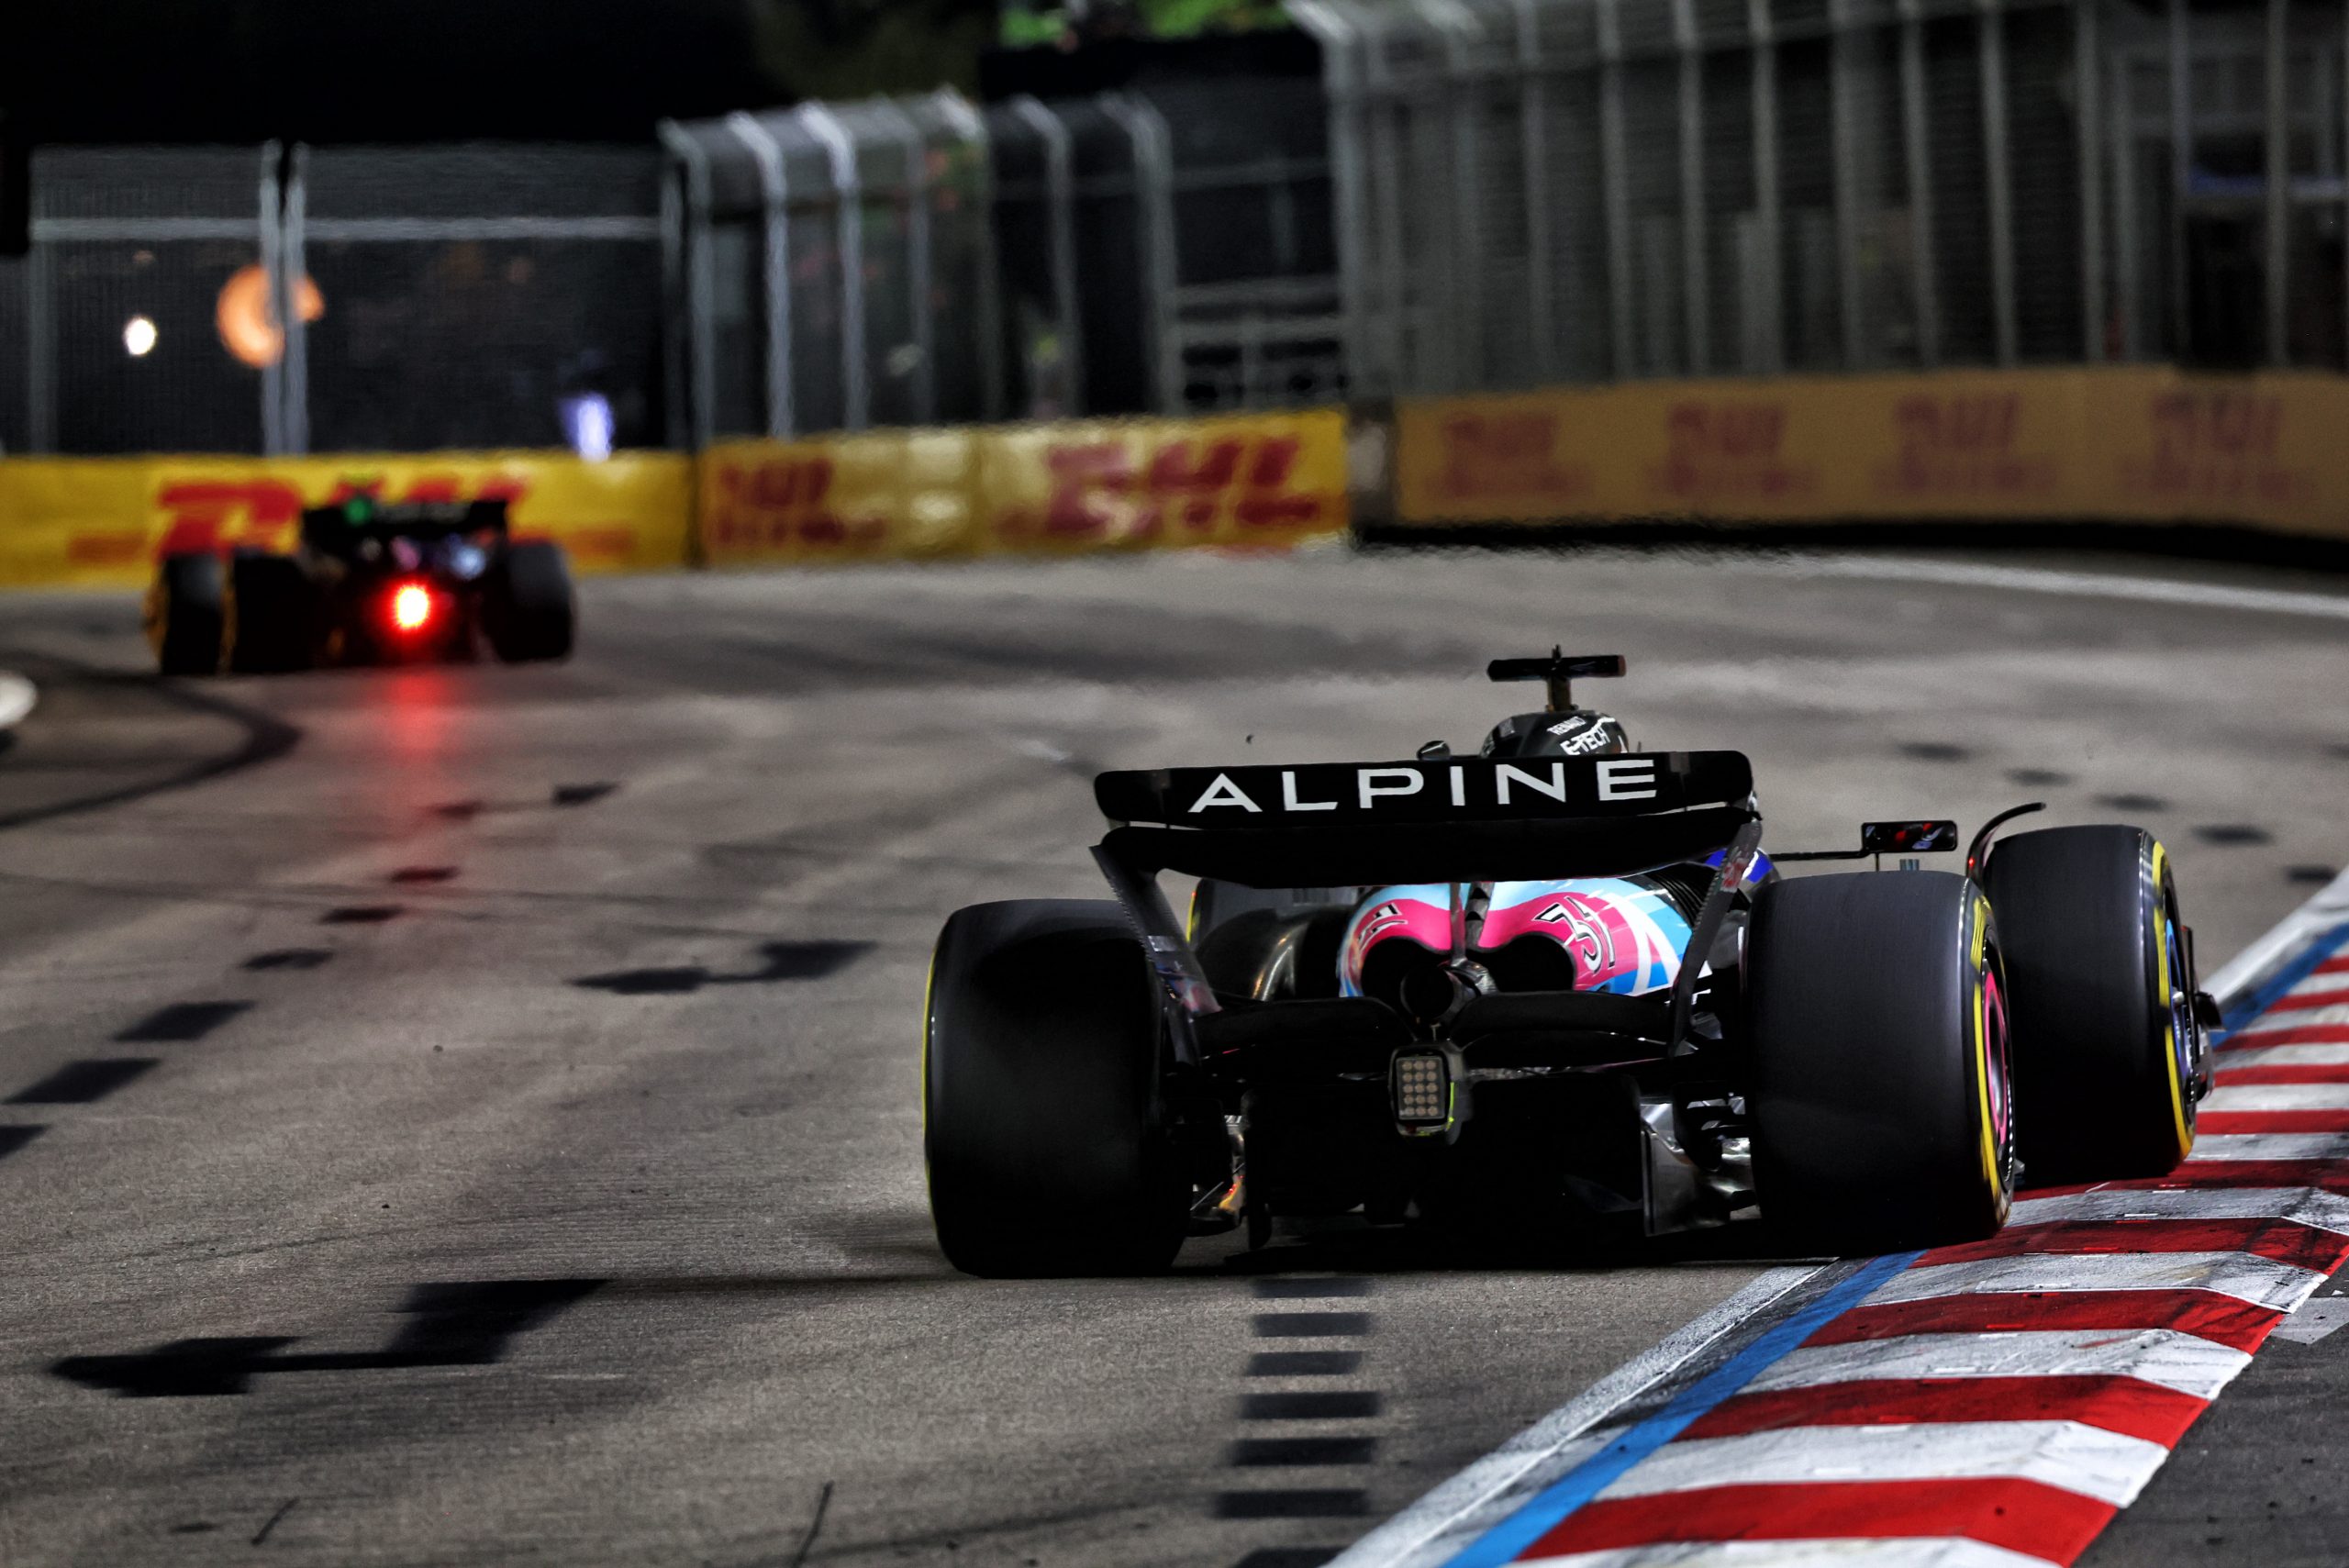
<point>1433,1528</point>
<point>2184,1362</point>
<point>2071,585</point>
<point>16,697</point>
<point>2240,974</point>
<point>1914,1552</point>
<point>2089,1461</point>
<point>2263,1282</point>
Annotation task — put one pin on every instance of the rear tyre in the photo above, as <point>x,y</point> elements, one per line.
<point>1044,1120</point>
<point>2106,1047</point>
<point>272,619</point>
<point>528,609</point>
<point>183,614</point>
<point>1880,1091</point>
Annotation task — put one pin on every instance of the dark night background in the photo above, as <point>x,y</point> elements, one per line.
<point>324,71</point>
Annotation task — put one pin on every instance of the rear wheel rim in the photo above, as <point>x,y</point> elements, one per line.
<point>1997,1067</point>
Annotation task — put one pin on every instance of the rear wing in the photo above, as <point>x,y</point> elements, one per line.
<point>1439,820</point>
<point>341,525</point>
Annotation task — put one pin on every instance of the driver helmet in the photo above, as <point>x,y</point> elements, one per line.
<point>1574,732</point>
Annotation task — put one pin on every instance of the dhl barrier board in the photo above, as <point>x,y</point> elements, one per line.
<point>103,522</point>
<point>2124,443</point>
<point>1268,480</point>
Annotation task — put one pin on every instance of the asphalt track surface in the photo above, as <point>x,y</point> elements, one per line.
<point>470,1116</point>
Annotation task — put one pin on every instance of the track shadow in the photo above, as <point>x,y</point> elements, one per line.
<point>783,962</point>
<point>462,1324</point>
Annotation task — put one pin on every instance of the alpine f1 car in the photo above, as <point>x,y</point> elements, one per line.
<point>368,583</point>
<point>1552,987</point>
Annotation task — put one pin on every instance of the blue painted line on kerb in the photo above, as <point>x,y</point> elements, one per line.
<point>1503,1542</point>
<point>2318,949</point>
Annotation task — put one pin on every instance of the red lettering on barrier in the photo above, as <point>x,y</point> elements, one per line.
<point>1101,491</point>
<point>1962,445</point>
<point>781,503</point>
<point>1728,452</point>
<point>2218,445</point>
<point>1492,456</point>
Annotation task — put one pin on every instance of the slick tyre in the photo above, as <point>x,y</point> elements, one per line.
<point>271,625</point>
<point>1880,1089</point>
<point>185,613</point>
<point>1044,1121</point>
<point>2107,1049</point>
<point>528,609</point>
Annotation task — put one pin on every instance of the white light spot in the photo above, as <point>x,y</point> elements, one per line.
<point>139,337</point>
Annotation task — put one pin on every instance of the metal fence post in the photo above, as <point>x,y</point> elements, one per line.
<point>1916,155</point>
<point>41,340</point>
<point>1458,29</point>
<point>1998,180</point>
<point>1693,249</point>
<point>1540,270</point>
<point>774,252</point>
<point>282,302</point>
<point>1403,370</point>
<point>1612,161</point>
<point>856,392</point>
<point>701,336</point>
<point>917,256</point>
<point>2127,251</point>
<point>2088,76</point>
<point>2181,175</point>
<point>1060,202</point>
<point>1766,215</point>
<point>1340,79</point>
<point>1153,153</point>
<point>972,127</point>
<point>295,258</point>
<point>2278,184</point>
<point>1842,132</point>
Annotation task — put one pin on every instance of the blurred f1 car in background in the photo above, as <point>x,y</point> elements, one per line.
<point>368,583</point>
<point>1555,989</point>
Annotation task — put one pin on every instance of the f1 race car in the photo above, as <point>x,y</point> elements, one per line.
<point>368,583</point>
<point>1553,988</point>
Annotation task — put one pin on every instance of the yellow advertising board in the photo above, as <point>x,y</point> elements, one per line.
<point>103,522</point>
<point>1254,480</point>
<point>887,496</point>
<point>2122,443</point>
<point>1267,480</point>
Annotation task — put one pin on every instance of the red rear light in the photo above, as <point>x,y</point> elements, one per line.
<point>412,606</point>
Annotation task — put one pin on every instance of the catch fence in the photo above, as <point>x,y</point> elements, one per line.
<point>1477,195</point>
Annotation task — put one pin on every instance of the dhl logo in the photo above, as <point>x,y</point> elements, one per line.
<point>1728,451</point>
<point>2203,424</point>
<point>1106,489</point>
<point>1957,445</point>
<point>1964,424</point>
<point>785,501</point>
<point>220,514</point>
<point>1507,454</point>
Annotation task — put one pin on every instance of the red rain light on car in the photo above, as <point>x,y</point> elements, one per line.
<point>411,606</point>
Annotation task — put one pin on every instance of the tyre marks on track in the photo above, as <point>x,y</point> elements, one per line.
<point>84,1081</point>
<point>1304,1448</point>
<point>1996,1402</point>
<point>181,1023</point>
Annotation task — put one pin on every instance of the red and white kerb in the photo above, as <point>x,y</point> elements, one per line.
<point>1994,1404</point>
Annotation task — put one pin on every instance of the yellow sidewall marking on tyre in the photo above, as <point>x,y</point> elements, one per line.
<point>1979,947</point>
<point>2162,996</point>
